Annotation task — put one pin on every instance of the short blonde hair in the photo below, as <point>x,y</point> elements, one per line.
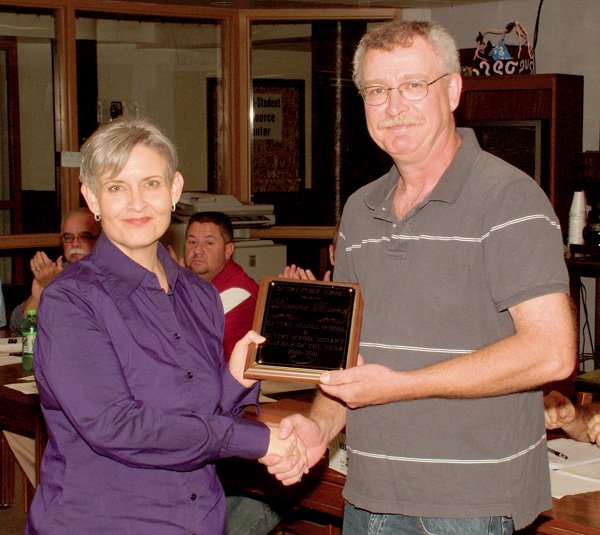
<point>107,150</point>
<point>400,33</point>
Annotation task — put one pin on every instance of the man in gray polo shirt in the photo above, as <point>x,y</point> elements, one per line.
<point>466,313</point>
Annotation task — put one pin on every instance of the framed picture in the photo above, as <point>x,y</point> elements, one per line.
<point>277,136</point>
<point>310,327</point>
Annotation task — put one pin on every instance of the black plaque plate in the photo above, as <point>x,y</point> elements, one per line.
<point>310,326</point>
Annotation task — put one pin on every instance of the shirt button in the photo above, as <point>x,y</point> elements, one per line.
<point>190,375</point>
<point>193,497</point>
<point>176,336</point>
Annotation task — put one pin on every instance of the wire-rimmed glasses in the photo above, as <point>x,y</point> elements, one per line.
<point>376,95</point>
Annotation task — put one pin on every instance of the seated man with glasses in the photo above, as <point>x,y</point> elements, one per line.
<point>79,232</point>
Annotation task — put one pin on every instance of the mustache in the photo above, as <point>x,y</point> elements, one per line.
<point>77,250</point>
<point>400,120</point>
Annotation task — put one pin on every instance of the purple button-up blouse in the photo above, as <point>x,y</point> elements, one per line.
<point>137,399</point>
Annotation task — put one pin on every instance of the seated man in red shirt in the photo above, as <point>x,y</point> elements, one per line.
<point>208,252</point>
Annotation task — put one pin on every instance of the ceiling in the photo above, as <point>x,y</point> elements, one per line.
<point>290,4</point>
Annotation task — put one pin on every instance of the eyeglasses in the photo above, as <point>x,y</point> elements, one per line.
<point>376,95</point>
<point>84,237</point>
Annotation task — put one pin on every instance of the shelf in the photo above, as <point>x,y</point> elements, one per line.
<point>557,100</point>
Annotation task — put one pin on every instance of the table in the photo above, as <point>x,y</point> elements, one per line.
<point>321,490</point>
<point>577,514</point>
<point>19,413</point>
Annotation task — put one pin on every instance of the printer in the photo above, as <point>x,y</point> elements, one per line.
<point>243,216</point>
<point>258,257</point>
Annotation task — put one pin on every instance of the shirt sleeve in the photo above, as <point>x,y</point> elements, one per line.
<point>343,269</point>
<point>84,390</point>
<point>523,248</point>
<point>235,396</point>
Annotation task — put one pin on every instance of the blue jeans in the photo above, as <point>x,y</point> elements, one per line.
<point>247,516</point>
<point>361,522</point>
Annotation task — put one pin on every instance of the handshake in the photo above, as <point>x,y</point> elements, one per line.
<point>295,446</point>
<point>298,443</point>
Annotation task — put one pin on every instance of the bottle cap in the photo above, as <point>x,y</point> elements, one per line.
<point>31,312</point>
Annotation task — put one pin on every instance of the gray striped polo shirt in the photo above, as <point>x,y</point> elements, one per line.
<point>438,284</point>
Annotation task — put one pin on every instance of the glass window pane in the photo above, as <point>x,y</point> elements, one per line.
<point>311,148</point>
<point>155,69</point>
<point>27,155</point>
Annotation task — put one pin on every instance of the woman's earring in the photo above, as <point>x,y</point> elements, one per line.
<point>97,217</point>
<point>173,207</point>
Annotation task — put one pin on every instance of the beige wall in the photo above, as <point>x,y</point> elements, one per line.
<point>568,41</point>
<point>36,108</point>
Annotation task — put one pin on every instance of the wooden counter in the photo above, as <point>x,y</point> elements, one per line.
<point>320,491</point>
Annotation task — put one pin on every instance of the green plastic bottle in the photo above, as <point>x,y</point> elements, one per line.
<point>29,333</point>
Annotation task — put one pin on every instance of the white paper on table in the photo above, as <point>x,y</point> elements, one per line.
<point>5,360</point>
<point>27,388</point>
<point>563,484</point>
<point>578,453</point>
<point>11,345</point>
<point>28,378</point>
<point>577,474</point>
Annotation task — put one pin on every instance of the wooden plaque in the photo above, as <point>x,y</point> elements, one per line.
<point>310,326</point>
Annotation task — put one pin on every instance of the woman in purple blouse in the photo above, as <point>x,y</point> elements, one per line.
<point>136,395</point>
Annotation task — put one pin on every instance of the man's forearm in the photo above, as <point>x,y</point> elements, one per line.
<point>329,413</point>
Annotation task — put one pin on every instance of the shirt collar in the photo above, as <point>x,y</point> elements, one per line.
<point>124,273</point>
<point>446,190</point>
<point>224,273</point>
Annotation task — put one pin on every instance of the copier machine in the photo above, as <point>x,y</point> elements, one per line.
<point>258,257</point>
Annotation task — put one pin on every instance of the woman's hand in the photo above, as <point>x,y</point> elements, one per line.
<point>290,450</point>
<point>237,361</point>
<point>313,439</point>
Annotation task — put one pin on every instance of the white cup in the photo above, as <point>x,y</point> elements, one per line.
<point>576,225</point>
<point>578,205</point>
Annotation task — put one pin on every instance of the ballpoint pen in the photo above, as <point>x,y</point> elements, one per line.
<point>557,453</point>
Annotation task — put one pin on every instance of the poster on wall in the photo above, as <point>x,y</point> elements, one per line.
<point>277,136</point>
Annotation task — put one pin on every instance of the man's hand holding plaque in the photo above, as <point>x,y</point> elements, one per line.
<point>310,327</point>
